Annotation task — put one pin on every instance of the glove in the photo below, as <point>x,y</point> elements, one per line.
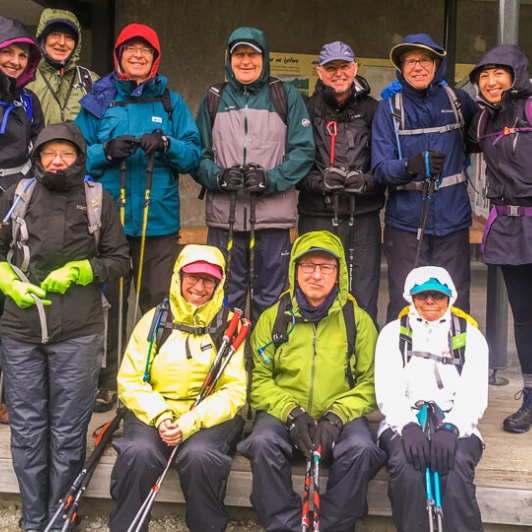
<point>120,147</point>
<point>232,179</point>
<point>302,429</point>
<point>255,179</point>
<point>152,142</point>
<point>443,447</point>
<point>327,433</point>
<point>417,164</point>
<point>19,291</point>
<point>77,271</point>
<point>416,446</point>
<point>333,180</point>
<point>354,182</point>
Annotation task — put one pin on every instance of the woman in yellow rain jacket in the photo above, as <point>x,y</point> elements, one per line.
<point>159,393</point>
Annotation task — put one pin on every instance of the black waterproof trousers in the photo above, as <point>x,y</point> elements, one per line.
<point>406,488</point>
<point>356,460</point>
<point>203,463</point>
<point>50,391</point>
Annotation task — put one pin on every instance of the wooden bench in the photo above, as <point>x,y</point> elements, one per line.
<point>196,234</point>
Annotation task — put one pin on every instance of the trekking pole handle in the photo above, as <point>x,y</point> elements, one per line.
<point>332,129</point>
<point>246,324</point>
<point>233,324</point>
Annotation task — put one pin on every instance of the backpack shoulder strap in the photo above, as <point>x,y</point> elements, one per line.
<point>214,95</point>
<point>405,339</point>
<point>528,110</point>
<point>167,103</point>
<point>284,318</point>
<point>279,98</point>
<point>348,312</point>
<point>481,124</point>
<point>27,101</point>
<point>85,78</point>
<point>94,199</point>
<point>19,230</point>
<point>397,112</point>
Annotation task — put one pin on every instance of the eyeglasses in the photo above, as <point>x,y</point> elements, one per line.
<point>434,294</point>
<point>426,62</point>
<point>64,156</point>
<point>208,282</point>
<point>310,267</point>
<point>144,50</point>
<point>331,69</point>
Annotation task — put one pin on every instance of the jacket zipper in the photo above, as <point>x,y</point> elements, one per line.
<point>312,370</point>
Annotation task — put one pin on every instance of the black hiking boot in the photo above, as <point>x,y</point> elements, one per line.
<point>521,421</point>
<point>105,400</point>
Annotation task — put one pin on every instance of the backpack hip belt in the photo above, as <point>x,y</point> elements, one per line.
<point>22,169</point>
<point>447,181</point>
<point>502,210</point>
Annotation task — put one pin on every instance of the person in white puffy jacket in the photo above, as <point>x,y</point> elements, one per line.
<point>408,375</point>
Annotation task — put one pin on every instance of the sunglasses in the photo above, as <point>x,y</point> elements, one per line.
<point>434,294</point>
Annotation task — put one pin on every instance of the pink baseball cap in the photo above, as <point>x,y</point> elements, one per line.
<point>202,266</point>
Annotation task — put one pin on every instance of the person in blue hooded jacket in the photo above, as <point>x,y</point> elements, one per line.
<point>424,141</point>
<point>128,115</point>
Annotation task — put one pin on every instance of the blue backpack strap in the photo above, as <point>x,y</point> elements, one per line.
<point>27,102</point>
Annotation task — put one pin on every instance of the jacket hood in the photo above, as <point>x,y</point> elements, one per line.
<point>72,176</point>
<point>183,311</point>
<point>419,276</point>
<point>133,31</point>
<point>324,240</point>
<point>509,56</point>
<point>425,42</point>
<point>13,31</point>
<point>49,17</point>
<point>257,38</point>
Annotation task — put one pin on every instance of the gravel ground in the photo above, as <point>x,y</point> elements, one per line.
<point>10,514</point>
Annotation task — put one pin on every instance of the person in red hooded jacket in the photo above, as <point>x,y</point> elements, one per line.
<point>129,115</point>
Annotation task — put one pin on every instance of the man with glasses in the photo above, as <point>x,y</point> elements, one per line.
<point>304,397</point>
<point>339,194</point>
<point>129,118</point>
<point>443,373</point>
<point>418,153</point>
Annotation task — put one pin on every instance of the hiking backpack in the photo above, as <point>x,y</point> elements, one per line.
<point>286,320</point>
<point>163,324</point>
<point>25,101</point>
<point>457,340</point>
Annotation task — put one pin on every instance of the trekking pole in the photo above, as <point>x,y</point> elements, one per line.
<point>122,206</point>
<point>316,497</point>
<point>83,479</point>
<point>140,517</point>
<point>437,501</point>
<point>332,129</point>
<point>305,518</point>
<point>429,184</point>
<point>230,242</point>
<point>351,239</point>
<point>252,221</point>
<point>147,201</point>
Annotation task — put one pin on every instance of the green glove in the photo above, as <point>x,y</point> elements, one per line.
<point>17,290</point>
<point>76,271</point>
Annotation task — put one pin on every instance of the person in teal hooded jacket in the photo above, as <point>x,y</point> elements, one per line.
<point>129,115</point>
<point>253,153</point>
<point>304,398</point>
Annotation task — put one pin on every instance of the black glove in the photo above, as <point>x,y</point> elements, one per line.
<point>416,446</point>
<point>417,164</point>
<point>302,429</point>
<point>156,141</point>
<point>232,179</point>
<point>334,180</point>
<point>327,433</point>
<point>120,147</point>
<point>354,183</point>
<point>255,179</point>
<point>443,447</point>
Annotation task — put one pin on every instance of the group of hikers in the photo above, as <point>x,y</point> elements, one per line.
<point>89,175</point>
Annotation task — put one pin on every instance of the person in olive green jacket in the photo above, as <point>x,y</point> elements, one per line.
<point>59,81</point>
<point>304,396</point>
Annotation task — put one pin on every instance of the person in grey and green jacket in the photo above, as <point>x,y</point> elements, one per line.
<point>59,81</point>
<point>252,156</point>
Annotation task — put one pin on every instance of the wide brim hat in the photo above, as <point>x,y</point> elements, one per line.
<point>399,49</point>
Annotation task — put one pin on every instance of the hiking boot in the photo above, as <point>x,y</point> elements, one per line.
<point>521,421</point>
<point>4,416</point>
<point>105,400</point>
